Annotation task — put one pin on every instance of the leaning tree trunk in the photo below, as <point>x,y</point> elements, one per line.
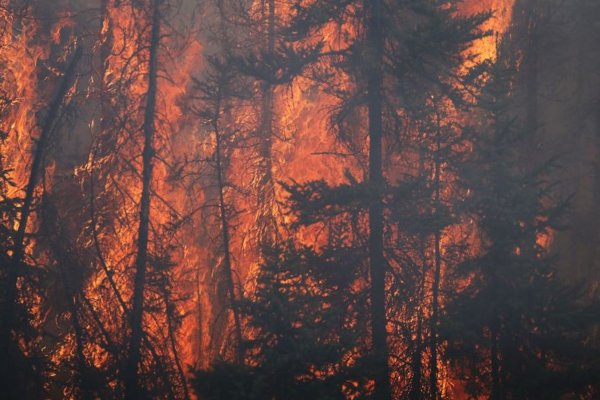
<point>132,389</point>
<point>376,183</point>
<point>416,390</point>
<point>18,251</point>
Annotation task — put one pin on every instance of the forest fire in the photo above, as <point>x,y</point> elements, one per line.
<point>242,199</point>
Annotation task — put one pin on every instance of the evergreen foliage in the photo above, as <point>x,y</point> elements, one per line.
<point>513,329</point>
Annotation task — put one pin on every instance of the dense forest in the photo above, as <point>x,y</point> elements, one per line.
<point>300,199</point>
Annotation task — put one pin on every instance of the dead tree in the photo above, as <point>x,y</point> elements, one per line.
<point>18,249</point>
<point>132,389</point>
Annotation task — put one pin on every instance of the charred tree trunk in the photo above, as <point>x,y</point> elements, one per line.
<point>376,182</point>
<point>266,195</point>
<point>225,233</point>
<point>132,389</point>
<point>433,364</point>
<point>18,251</point>
<point>416,390</point>
<point>415,386</point>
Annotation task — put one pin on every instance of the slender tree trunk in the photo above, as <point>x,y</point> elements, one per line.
<point>225,235</point>
<point>96,240</point>
<point>376,183</point>
<point>109,343</point>
<point>18,251</point>
<point>415,390</point>
<point>132,389</point>
<point>113,284</point>
<point>266,196</point>
<point>433,364</point>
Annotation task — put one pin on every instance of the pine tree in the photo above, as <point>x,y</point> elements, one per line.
<point>397,57</point>
<point>217,93</point>
<point>133,389</point>
<point>302,324</point>
<point>513,330</point>
<point>387,89</point>
<point>10,323</point>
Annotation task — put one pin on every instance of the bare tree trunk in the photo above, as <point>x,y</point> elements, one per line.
<point>113,284</point>
<point>109,343</point>
<point>266,196</point>
<point>225,234</point>
<point>376,183</point>
<point>433,363</point>
<point>18,251</point>
<point>132,389</point>
<point>415,390</point>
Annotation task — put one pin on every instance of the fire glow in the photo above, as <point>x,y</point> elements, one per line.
<point>226,145</point>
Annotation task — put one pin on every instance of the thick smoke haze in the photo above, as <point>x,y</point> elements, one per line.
<point>281,199</point>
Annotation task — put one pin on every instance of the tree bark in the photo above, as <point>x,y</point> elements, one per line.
<point>266,196</point>
<point>225,234</point>
<point>376,182</point>
<point>132,389</point>
<point>433,364</point>
<point>415,389</point>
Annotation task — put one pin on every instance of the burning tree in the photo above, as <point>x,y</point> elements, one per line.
<point>513,329</point>
<point>297,199</point>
